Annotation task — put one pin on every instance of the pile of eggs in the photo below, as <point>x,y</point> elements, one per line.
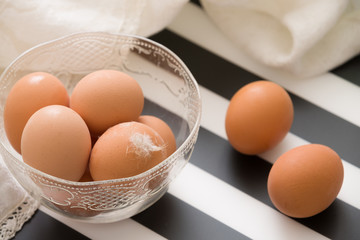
<point>97,133</point>
<point>303,181</point>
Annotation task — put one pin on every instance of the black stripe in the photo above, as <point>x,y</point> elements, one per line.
<point>197,2</point>
<point>350,70</point>
<point>42,226</point>
<point>310,122</point>
<point>174,219</point>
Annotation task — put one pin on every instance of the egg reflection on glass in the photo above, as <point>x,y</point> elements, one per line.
<point>259,116</point>
<point>305,180</point>
<point>29,94</point>
<point>57,141</point>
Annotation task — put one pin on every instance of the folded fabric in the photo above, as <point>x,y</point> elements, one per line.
<point>305,37</point>
<point>24,24</point>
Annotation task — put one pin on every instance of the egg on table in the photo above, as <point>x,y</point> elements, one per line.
<point>29,94</point>
<point>259,116</point>
<point>305,180</point>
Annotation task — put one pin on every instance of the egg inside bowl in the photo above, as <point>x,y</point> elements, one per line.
<point>170,91</point>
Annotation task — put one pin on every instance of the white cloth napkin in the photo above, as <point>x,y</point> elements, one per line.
<point>16,206</point>
<point>305,37</point>
<point>24,24</point>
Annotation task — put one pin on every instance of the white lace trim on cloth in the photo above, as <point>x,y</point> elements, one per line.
<point>16,219</point>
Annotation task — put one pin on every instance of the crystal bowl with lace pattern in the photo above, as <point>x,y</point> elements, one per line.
<point>170,92</point>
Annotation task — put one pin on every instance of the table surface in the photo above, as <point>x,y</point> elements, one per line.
<point>222,194</point>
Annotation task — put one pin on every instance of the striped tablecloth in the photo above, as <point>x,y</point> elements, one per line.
<point>221,194</point>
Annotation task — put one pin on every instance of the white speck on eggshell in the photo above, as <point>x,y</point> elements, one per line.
<point>143,145</point>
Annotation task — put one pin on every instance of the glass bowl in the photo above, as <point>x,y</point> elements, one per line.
<point>171,93</point>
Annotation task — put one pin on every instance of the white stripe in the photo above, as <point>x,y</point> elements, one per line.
<point>125,229</point>
<point>328,91</point>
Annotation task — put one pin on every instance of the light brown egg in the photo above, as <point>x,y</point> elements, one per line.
<point>259,116</point>
<point>29,94</point>
<point>57,141</point>
<point>161,128</point>
<point>125,150</point>
<point>305,180</point>
<point>105,98</point>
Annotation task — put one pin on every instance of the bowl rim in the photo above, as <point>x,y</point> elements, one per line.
<point>192,134</point>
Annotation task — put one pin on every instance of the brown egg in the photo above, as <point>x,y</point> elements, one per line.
<point>125,150</point>
<point>57,141</point>
<point>259,116</point>
<point>106,97</point>
<point>161,128</point>
<point>305,180</point>
<point>29,94</point>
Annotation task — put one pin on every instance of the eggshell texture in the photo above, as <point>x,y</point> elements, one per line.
<point>258,117</point>
<point>29,94</point>
<point>57,141</point>
<point>105,98</point>
<point>161,128</point>
<point>125,150</point>
<point>305,180</point>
